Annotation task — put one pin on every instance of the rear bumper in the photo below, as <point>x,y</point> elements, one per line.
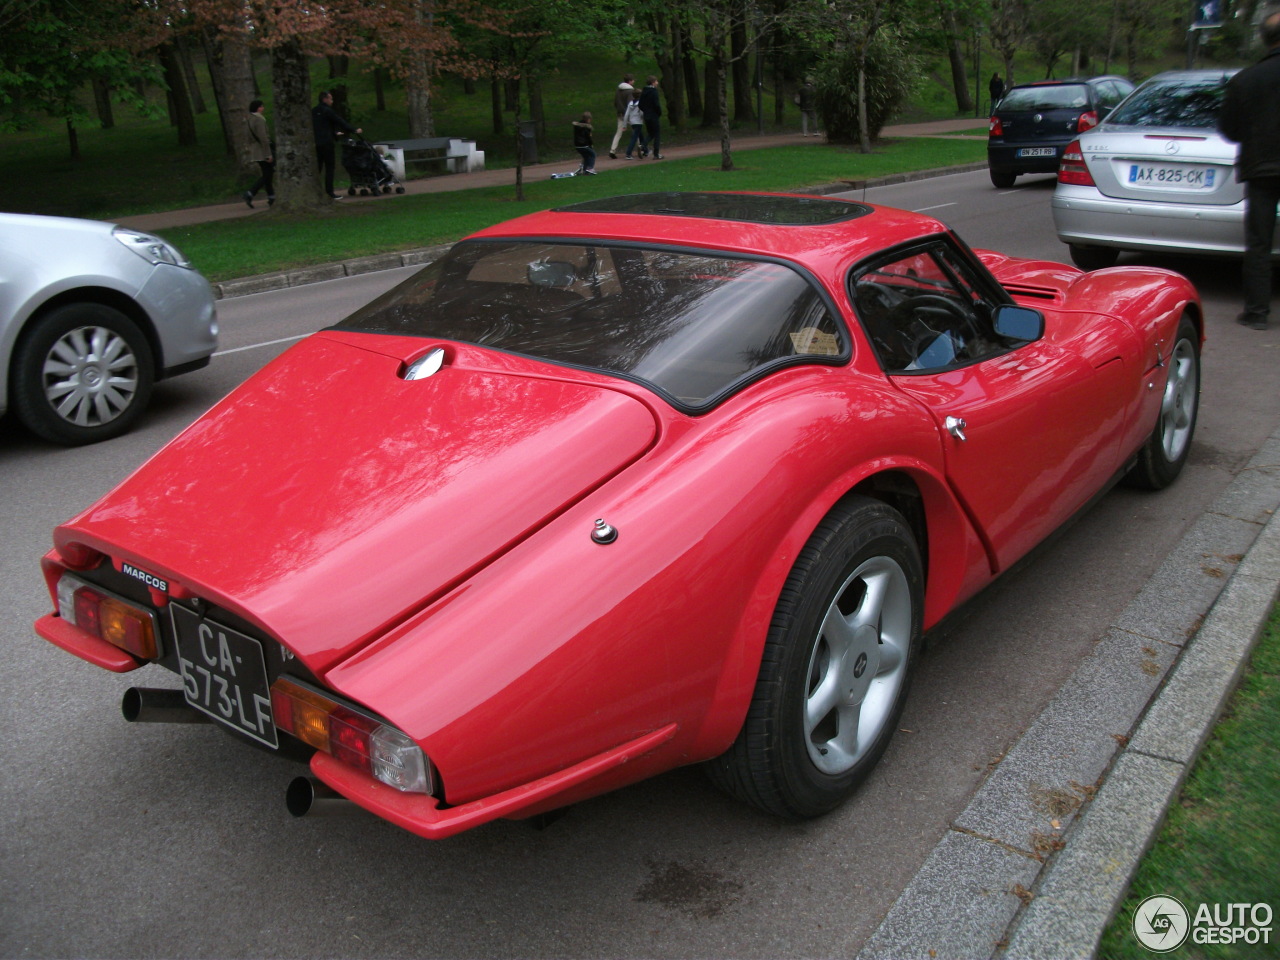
<point>423,815</point>
<point>1002,156</point>
<point>1082,215</point>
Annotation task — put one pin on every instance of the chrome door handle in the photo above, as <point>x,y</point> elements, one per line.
<point>955,427</point>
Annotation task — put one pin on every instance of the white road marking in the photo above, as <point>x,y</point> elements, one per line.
<point>936,206</point>
<point>255,346</point>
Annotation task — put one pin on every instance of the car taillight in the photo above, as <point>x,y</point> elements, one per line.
<point>1088,120</point>
<point>353,738</point>
<point>1072,169</point>
<point>100,614</point>
<point>996,128</point>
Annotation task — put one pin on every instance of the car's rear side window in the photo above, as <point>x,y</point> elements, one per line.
<point>691,324</point>
<point>1050,97</point>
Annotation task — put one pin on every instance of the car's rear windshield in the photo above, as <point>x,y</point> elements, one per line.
<point>693,325</point>
<point>1177,102</point>
<point>1058,96</point>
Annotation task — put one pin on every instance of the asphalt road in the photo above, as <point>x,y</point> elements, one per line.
<point>163,841</point>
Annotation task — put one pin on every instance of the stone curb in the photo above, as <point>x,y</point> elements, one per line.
<point>1041,858</point>
<point>284,279</point>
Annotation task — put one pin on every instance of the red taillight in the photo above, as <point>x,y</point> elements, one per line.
<point>995,129</point>
<point>114,620</point>
<point>1088,120</point>
<point>1072,169</point>
<point>359,741</point>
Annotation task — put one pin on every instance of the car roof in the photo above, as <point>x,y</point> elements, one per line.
<point>819,232</point>
<point>1203,74</point>
<point>1068,80</point>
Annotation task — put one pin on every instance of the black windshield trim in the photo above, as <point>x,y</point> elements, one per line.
<point>779,211</point>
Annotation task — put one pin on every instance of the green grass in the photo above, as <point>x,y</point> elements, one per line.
<point>1221,842</point>
<point>261,244</point>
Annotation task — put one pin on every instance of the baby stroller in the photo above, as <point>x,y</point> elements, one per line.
<point>369,173</point>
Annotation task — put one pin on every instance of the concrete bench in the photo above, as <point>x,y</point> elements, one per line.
<point>459,156</point>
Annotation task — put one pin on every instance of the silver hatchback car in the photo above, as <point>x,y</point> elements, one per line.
<point>1156,175</point>
<point>91,315</point>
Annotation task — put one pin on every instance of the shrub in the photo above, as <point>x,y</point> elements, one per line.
<point>893,71</point>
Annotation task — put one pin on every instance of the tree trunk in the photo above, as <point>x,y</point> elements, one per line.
<point>744,110</point>
<point>338,69</point>
<point>536,113</point>
<point>864,135</point>
<point>495,103</point>
<point>710,106</point>
<point>231,73</point>
<point>417,94</point>
<point>102,100</point>
<point>189,74</point>
<point>959,80</point>
<point>298,187</point>
<point>179,103</point>
<point>692,82</point>
<point>513,87</point>
<point>73,140</point>
<point>722,99</point>
<point>379,89</point>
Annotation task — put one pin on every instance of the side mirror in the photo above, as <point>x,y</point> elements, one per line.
<point>1019,323</point>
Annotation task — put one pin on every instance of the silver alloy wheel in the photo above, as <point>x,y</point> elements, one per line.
<point>90,376</point>
<point>1178,405</point>
<point>858,665</point>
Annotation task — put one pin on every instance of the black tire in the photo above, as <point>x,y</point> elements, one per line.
<point>792,757</point>
<point>1093,258</point>
<point>82,373</point>
<point>399,189</point>
<point>1003,179</point>
<point>1165,453</point>
<point>351,191</point>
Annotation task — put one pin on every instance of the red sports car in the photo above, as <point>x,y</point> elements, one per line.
<point>630,484</point>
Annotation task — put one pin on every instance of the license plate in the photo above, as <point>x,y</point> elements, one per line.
<point>1172,176</point>
<point>224,674</point>
<point>1038,152</point>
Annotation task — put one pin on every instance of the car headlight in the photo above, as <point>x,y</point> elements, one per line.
<point>149,248</point>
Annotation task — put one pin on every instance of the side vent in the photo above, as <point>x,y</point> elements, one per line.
<point>1036,293</point>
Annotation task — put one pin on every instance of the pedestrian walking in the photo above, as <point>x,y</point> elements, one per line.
<point>651,107</point>
<point>582,142</point>
<point>807,101</point>
<point>262,152</point>
<point>635,122</point>
<point>621,100</point>
<point>328,126</point>
<point>995,87</point>
<point>1250,116</point>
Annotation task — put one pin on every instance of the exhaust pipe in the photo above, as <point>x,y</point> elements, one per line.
<point>309,796</point>
<point>152,705</point>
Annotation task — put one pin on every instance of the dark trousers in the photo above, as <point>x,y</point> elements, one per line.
<point>637,137</point>
<point>588,155</point>
<point>653,125</point>
<point>325,156</point>
<point>267,180</point>
<point>1261,196</point>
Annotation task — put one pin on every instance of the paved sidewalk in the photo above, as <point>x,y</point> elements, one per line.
<point>447,183</point>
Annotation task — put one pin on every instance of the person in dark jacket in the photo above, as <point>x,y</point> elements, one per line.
<point>328,126</point>
<point>1251,117</point>
<point>996,88</point>
<point>583,143</point>
<point>651,108</point>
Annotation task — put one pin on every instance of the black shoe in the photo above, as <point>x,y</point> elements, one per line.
<point>1252,320</point>
<point>248,198</point>
<point>335,196</point>
<point>658,156</point>
<point>612,155</point>
<point>271,201</point>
